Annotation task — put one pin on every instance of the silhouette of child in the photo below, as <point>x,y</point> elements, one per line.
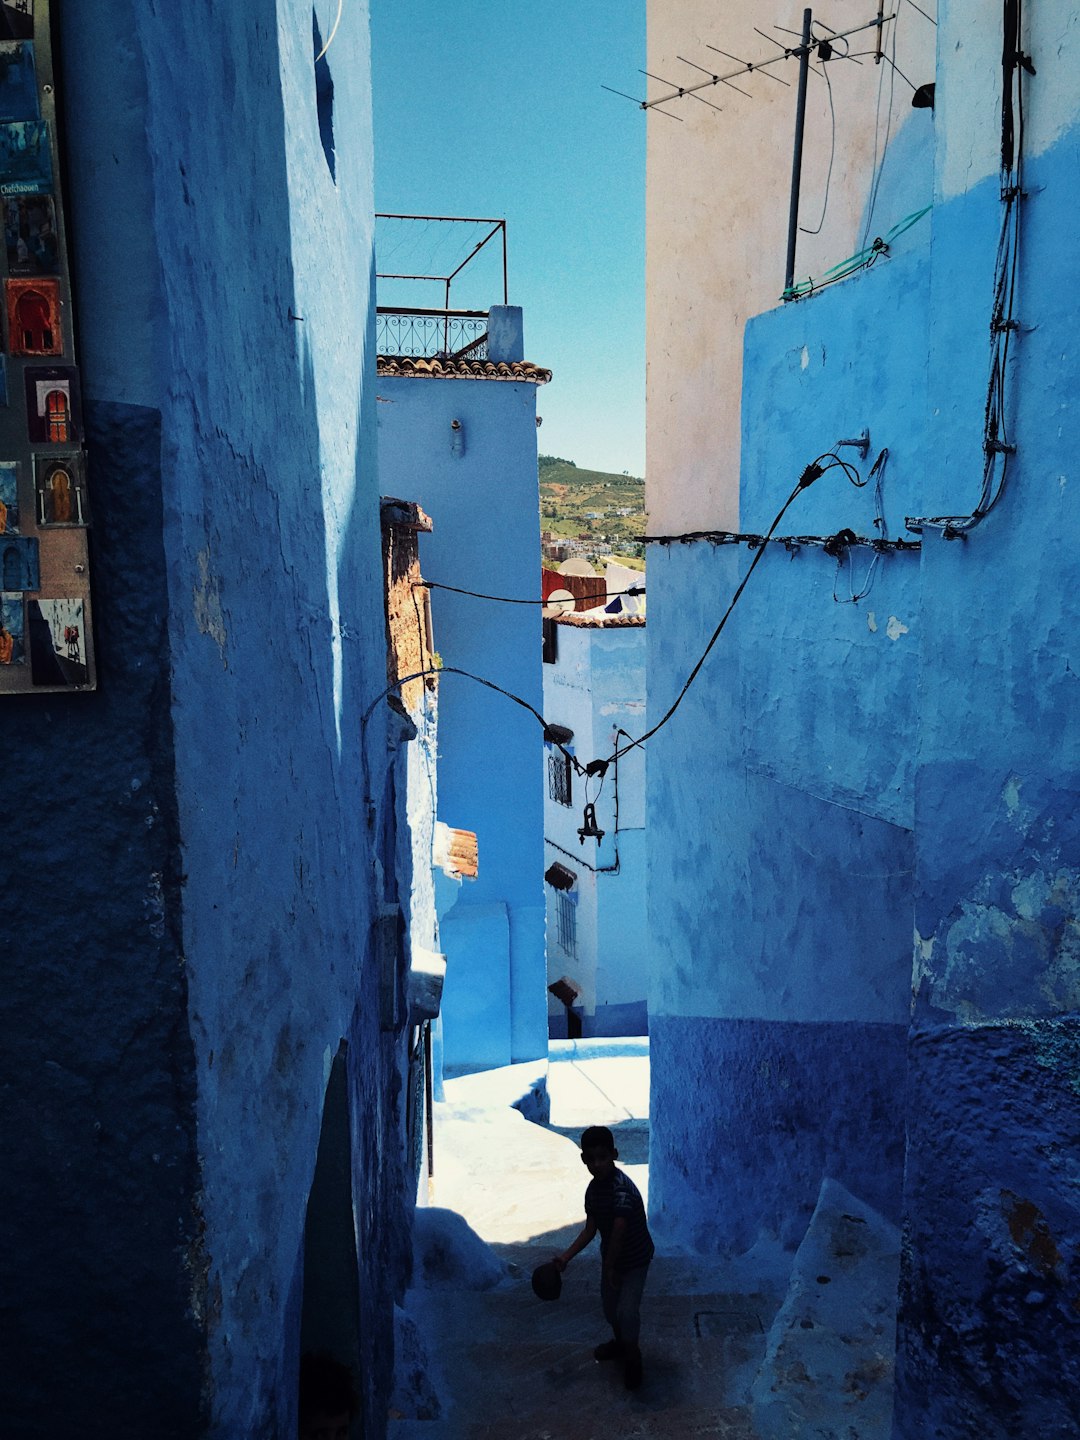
<point>613,1206</point>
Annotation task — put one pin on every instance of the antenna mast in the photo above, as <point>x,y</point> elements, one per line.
<point>796,159</point>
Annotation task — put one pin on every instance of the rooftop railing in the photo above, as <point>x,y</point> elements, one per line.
<point>446,334</point>
<point>434,331</point>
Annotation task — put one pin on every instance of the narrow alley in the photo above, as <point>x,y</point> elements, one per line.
<point>488,1361</point>
<point>530,521</point>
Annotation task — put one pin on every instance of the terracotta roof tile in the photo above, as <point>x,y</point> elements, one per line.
<point>598,622</point>
<point>415,366</point>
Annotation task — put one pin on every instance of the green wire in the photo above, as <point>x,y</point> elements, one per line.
<point>858,261</point>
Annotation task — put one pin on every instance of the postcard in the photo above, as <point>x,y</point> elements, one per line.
<point>30,235</point>
<point>61,489</point>
<point>53,405</point>
<point>12,633</point>
<point>33,310</point>
<point>18,82</point>
<point>25,158</point>
<point>9,497</point>
<point>57,636</point>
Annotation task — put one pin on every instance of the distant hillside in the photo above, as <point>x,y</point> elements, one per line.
<point>599,511</point>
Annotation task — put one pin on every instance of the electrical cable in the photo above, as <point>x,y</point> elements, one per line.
<point>817,467</point>
<point>509,600</point>
<point>997,447</point>
<point>333,32</point>
<point>813,472</point>
<point>922,12</point>
<point>456,670</point>
<point>879,163</point>
<point>832,156</point>
<point>861,260</point>
<point>790,543</point>
<point>577,859</point>
<point>878,470</point>
<point>910,84</point>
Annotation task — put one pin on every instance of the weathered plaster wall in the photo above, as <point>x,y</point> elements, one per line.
<point>912,758</point>
<point>215,878</point>
<point>782,792</point>
<point>479,486</point>
<point>596,688</point>
<point>988,1321</point>
<point>100,1179</point>
<point>716,220</point>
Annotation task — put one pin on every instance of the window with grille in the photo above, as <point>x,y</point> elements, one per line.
<point>559,784</point>
<point>566,922</point>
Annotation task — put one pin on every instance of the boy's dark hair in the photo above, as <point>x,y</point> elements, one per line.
<point>597,1137</point>
<point>326,1386</point>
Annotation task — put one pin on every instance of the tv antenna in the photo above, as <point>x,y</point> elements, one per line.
<point>808,46</point>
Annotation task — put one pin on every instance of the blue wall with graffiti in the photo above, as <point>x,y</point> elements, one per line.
<point>888,985</point>
<point>192,914</point>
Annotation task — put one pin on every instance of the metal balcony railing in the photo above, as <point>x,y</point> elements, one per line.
<point>441,250</point>
<point>445,334</point>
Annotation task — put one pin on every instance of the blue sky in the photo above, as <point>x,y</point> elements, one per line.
<point>492,108</point>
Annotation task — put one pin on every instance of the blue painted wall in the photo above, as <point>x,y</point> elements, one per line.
<point>989,1324</point>
<point>781,799</point>
<point>479,485</point>
<point>195,890</point>
<point>864,851</point>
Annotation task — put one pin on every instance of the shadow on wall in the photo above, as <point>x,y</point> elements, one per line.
<point>324,97</point>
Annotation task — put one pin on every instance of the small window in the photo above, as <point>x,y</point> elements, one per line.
<point>560,784</point>
<point>550,631</point>
<point>566,922</point>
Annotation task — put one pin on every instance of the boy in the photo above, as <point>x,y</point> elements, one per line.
<point>613,1205</point>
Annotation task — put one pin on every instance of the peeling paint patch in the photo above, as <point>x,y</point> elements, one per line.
<point>871,622</point>
<point>620,707</point>
<point>804,359</point>
<point>1030,1233</point>
<point>1017,958</point>
<point>206,603</point>
<point>154,905</point>
<point>1010,793</point>
<point>921,967</point>
<point>895,628</point>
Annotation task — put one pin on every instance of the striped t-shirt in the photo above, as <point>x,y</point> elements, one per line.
<point>616,1199</point>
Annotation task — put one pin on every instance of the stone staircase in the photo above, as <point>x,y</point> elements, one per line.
<point>760,1349</point>
<point>514,1368</point>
